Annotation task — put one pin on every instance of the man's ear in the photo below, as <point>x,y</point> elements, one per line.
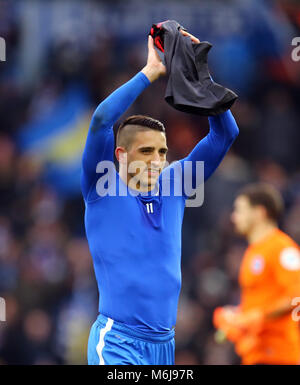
<point>262,212</point>
<point>121,155</point>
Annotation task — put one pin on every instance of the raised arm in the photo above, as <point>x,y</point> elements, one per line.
<point>212,149</point>
<point>100,140</point>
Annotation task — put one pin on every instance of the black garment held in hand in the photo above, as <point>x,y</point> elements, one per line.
<point>190,87</point>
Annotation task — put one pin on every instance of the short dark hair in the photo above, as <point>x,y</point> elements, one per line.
<point>136,123</point>
<point>264,194</point>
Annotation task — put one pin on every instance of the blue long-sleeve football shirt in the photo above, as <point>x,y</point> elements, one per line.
<point>135,241</point>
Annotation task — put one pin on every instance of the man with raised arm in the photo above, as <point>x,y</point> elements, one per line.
<point>134,234</point>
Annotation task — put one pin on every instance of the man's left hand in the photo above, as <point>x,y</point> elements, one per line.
<point>193,38</point>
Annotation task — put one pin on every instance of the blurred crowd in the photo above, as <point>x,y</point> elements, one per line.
<point>46,272</point>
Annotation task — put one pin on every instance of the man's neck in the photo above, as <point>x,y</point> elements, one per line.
<point>261,231</point>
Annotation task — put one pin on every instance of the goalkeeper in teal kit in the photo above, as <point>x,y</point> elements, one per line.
<point>135,238</point>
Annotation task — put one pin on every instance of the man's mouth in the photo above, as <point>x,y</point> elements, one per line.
<point>152,172</point>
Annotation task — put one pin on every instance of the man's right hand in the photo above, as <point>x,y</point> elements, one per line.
<point>154,67</point>
<point>224,322</point>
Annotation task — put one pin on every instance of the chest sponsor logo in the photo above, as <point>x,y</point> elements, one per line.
<point>290,258</point>
<point>257,265</point>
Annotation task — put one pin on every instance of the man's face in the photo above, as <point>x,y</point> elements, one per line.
<point>244,215</point>
<point>146,157</point>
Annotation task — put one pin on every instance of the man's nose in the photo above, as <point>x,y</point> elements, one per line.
<point>155,159</point>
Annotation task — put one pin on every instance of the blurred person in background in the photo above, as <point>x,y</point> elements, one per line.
<point>262,326</point>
